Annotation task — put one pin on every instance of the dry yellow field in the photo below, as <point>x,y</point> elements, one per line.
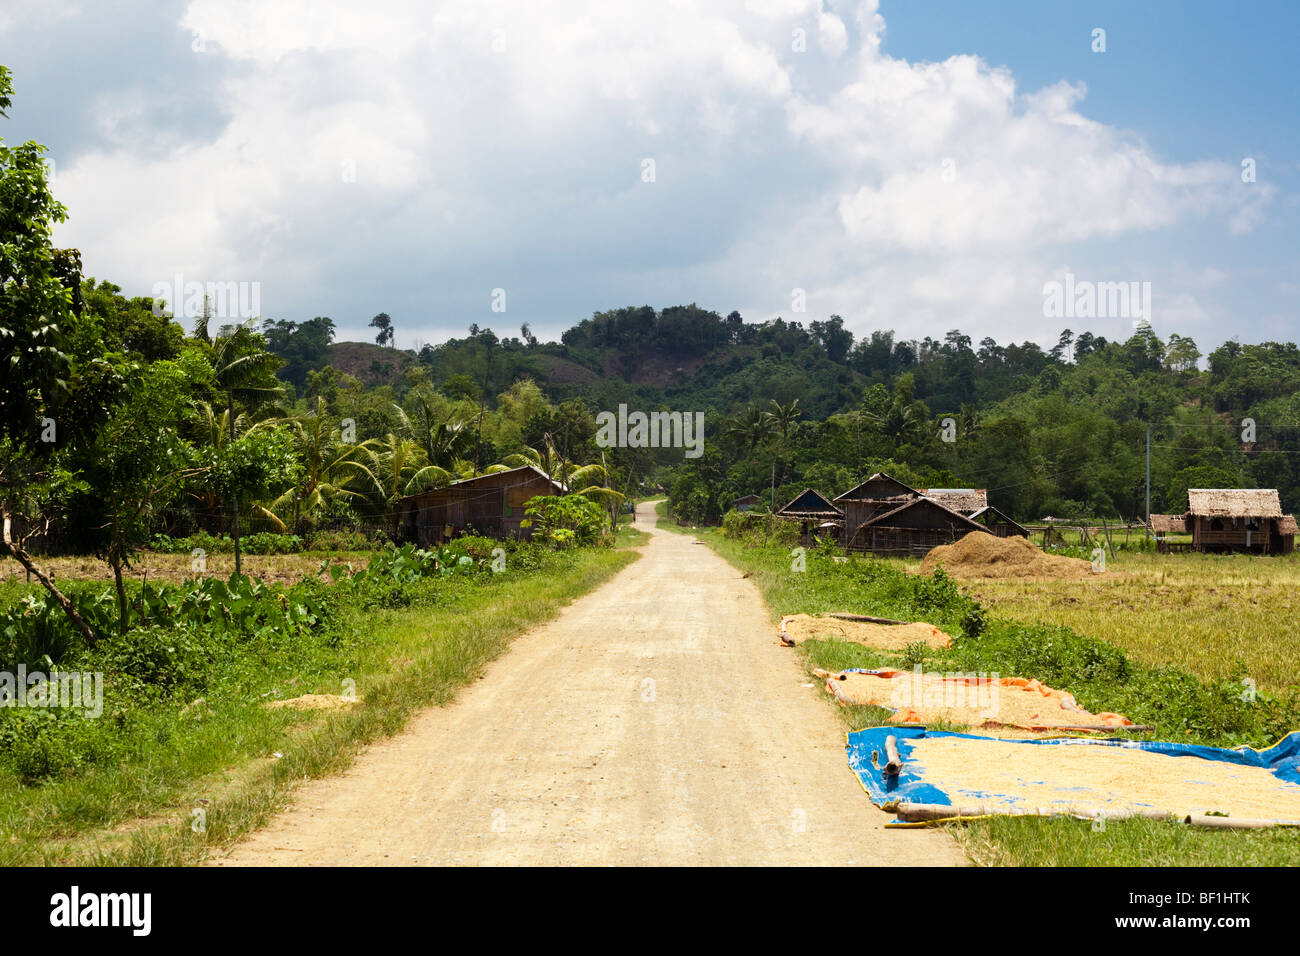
<point>1200,612</point>
<point>282,568</point>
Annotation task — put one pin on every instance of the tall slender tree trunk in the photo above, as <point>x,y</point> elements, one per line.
<point>46,581</point>
<point>234,524</point>
<point>115,560</point>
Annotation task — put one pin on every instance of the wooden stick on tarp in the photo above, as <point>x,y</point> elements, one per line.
<point>894,765</point>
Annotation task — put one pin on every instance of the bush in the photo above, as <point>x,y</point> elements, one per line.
<point>40,743</point>
<point>564,520</point>
<point>346,539</point>
<point>170,660</point>
<point>756,529</point>
<point>263,542</point>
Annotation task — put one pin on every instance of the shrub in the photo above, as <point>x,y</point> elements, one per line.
<point>564,520</point>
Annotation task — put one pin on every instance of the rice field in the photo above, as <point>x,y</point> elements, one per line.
<point>1200,612</point>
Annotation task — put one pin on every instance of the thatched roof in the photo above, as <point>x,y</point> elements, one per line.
<point>1168,524</point>
<point>1234,502</point>
<point>1287,525</point>
<point>965,500</point>
<point>810,503</point>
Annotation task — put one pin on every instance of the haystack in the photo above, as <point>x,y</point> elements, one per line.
<point>982,555</point>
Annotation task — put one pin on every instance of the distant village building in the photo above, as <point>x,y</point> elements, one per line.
<point>815,514</point>
<point>747,503</point>
<point>490,505</point>
<point>884,516</point>
<point>965,501</point>
<point>1246,520</point>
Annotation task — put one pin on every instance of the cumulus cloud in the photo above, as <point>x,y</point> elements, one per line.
<point>413,157</point>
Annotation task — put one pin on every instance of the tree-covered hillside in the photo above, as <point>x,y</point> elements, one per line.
<point>1059,431</point>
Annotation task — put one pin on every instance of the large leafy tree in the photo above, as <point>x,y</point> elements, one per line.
<point>384,323</point>
<point>39,329</point>
<point>136,465</point>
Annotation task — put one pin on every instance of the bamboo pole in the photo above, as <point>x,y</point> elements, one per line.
<point>1235,823</point>
<point>865,618</point>
<point>895,764</point>
<point>933,812</point>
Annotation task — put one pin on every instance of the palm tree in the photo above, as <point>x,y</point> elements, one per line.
<point>330,469</point>
<point>214,431</point>
<point>244,371</point>
<point>902,420</point>
<point>785,417</point>
<point>443,439</point>
<point>593,479</point>
<point>751,428</point>
<point>403,469</point>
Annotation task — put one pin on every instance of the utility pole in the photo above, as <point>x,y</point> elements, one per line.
<point>1148,480</point>
<point>773,508</point>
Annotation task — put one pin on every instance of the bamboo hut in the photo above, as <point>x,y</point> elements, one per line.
<point>1248,520</point>
<point>815,514</point>
<point>490,505</point>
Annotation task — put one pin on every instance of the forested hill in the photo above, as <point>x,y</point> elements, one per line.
<point>1059,430</point>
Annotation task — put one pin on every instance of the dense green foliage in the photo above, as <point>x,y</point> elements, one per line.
<point>1058,431</point>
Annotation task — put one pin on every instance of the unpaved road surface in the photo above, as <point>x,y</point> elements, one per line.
<point>655,721</point>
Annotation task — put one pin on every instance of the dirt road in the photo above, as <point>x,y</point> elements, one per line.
<point>656,721</point>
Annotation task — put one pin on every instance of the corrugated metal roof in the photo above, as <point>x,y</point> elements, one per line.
<point>965,500</point>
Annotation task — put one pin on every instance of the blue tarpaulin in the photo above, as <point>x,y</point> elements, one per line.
<point>910,786</point>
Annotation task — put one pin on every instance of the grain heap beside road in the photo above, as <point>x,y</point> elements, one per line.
<point>982,555</point>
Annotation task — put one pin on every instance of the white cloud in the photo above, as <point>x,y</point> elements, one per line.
<point>501,141</point>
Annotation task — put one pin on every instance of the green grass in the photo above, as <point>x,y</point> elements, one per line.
<point>1038,841</point>
<point>238,760</point>
<point>1182,706</point>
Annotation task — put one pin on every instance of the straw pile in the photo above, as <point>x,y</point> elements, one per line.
<point>983,555</point>
<point>797,628</point>
<point>994,773</point>
<point>917,697</point>
<point>314,702</point>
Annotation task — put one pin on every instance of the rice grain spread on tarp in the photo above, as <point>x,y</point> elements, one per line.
<point>1083,776</point>
<point>969,700</point>
<point>797,628</point>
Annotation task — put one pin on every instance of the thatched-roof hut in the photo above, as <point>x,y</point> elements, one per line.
<point>815,514</point>
<point>886,516</point>
<point>1239,519</point>
<point>1162,525</point>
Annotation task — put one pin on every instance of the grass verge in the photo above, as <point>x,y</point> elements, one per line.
<point>1182,706</point>
<point>235,764</point>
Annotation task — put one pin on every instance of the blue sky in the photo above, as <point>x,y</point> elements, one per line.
<point>920,166</point>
